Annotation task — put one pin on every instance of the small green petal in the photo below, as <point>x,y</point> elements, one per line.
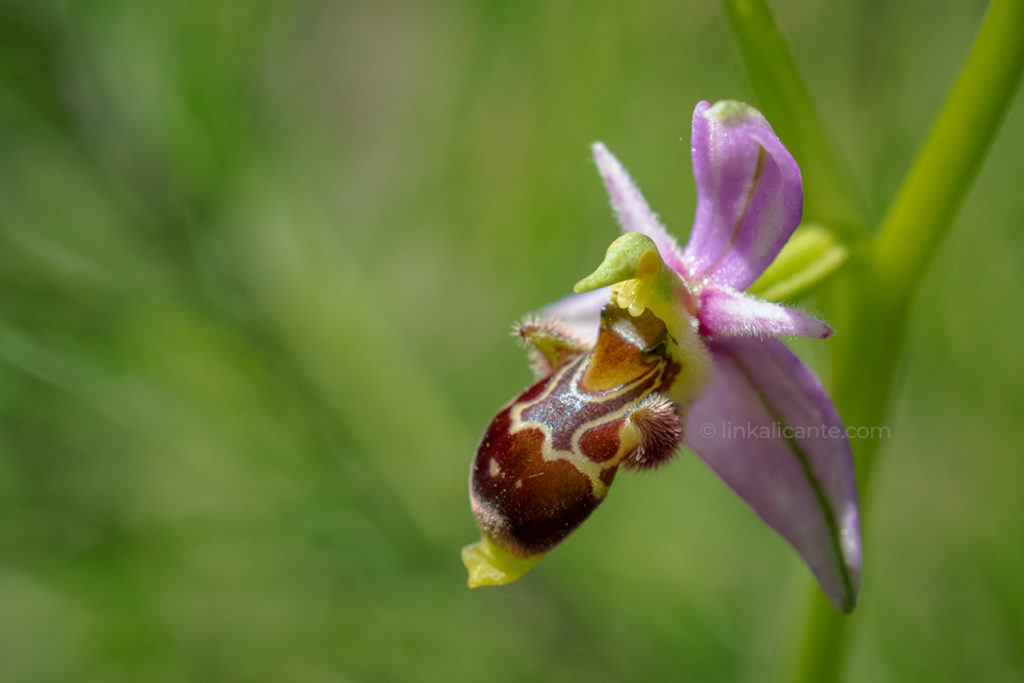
<point>811,255</point>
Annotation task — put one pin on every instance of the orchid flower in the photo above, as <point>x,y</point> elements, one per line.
<point>664,348</point>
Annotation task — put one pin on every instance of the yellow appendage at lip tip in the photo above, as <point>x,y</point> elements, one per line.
<point>641,280</point>
<point>489,565</point>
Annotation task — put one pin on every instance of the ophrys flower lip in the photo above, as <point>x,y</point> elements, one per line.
<point>734,370</point>
<point>547,459</point>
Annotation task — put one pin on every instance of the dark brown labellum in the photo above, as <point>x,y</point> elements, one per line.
<point>547,459</point>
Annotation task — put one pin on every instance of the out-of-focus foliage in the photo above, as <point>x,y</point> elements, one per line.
<point>257,266</point>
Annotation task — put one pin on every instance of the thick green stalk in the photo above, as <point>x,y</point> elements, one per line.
<point>951,156</point>
<point>865,355</point>
<point>881,283</point>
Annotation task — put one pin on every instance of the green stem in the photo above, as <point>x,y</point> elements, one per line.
<point>821,631</point>
<point>880,284</point>
<point>949,160</point>
<point>865,357</point>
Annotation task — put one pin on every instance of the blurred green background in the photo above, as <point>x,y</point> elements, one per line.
<point>258,262</point>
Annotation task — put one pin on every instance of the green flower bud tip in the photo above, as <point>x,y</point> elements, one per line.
<point>733,113</point>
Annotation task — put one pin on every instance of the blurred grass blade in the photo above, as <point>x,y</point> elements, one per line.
<point>832,195</point>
